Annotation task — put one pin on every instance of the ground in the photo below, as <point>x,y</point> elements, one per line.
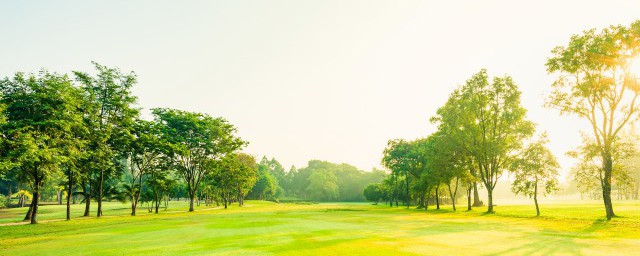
<point>265,228</point>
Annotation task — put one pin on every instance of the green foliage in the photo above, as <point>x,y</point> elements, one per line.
<point>594,82</point>
<point>376,192</point>
<point>41,116</point>
<point>536,169</point>
<point>195,141</point>
<point>322,186</point>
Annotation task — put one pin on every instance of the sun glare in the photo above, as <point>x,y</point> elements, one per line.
<point>634,67</point>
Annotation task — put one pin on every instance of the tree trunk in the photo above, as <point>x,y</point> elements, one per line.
<point>34,212</point>
<point>606,185</point>
<point>453,193</point>
<point>69,194</point>
<point>437,198</point>
<point>476,195</point>
<point>395,190</point>
<point>157,203</point>
<point>28,215</point>
<point>87,200</point>
<point>100,188</point>
<point>191,199</point>
<point>406,179</point>
<point>469,197</point>
<point>535,198</point>
<point>490,197</point>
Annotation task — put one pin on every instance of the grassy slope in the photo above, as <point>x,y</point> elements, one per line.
<point>262,228</point>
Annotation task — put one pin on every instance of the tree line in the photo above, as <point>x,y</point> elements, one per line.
<point>483,130</point>
<point>86,130</point>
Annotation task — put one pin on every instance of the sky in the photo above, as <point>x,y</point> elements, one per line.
<point>301,80</point>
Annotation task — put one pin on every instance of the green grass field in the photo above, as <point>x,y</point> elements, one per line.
<point>265,228</point>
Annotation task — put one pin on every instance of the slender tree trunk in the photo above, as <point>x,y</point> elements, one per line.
<point>535,198</point>
<point>453,193</point>
<point>69,194</point>
<point>437,198</point>
<point>100,191</point>
<point>476,195</point>
<point>157,202</point>
<point>469,197</point>
<point>606,185</point>
<point>406,179</point>
<point>395,190</point>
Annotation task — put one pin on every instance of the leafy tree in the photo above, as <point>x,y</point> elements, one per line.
<point>145,156</point>
<point>41,112</point>
<point>375,192</point>
<point>265,187</point>
<point>195,142</point>
<point>594,82</point>
<point>536,167</point>
<point>235,175</point>
<point>495,127</point>
<point>322,186</point>
<point>108,116</point>
<point>399,158</point>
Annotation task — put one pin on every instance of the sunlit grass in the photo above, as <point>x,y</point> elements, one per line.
<point>264,228</point>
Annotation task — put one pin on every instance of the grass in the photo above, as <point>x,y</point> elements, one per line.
<point>266,228</point>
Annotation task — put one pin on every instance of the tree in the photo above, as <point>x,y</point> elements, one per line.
<point>589,172</point>
<point>594,82</point>
<point>108,116</point>
<point>195,142</point>
<point>145,156</point>
<point>41,112</point>
<point>399,157</point>
<point>322,186</point>
<point>235,175</point>
<point>535,167</point>
<point>265,187</point>
<point>495,125</point>
<point>375,192</point>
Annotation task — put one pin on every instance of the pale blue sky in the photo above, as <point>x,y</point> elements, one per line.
<point>302,80</point>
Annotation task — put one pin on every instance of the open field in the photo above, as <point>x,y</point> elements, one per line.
<point>264,228</point>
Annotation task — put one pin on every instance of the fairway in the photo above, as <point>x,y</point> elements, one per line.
<point>265,228</point>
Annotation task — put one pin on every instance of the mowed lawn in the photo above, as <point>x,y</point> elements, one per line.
<point>265,228</point>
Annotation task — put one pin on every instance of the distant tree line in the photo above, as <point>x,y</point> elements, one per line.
<point>319,181</point>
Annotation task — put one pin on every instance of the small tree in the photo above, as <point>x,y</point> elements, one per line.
<point>536,167</point>
<point>375,192</point>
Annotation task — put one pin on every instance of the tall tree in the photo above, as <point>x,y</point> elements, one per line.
<point>594,82</point>
<point>196,141</point>
<point>41,112</point>
<point>535,169</point>
<point>108,116</point>
<point>497,126</point>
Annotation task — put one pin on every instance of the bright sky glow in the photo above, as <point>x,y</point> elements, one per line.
<point>302,80</point>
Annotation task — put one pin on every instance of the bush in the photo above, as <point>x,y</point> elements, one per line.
<point>3,201</point>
